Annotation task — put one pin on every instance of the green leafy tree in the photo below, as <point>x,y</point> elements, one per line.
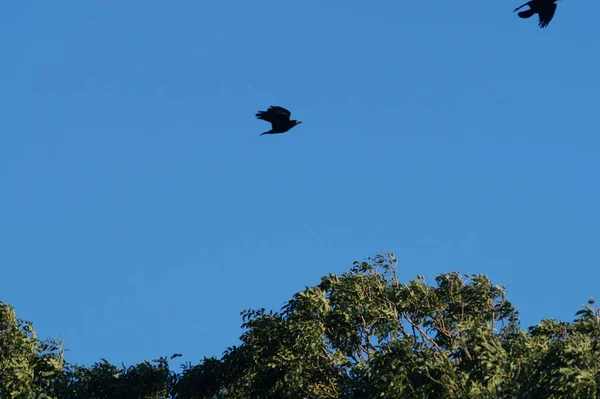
<point>27,364</point>
<point>365,334</point>
<point>361,334</point>
<point>146,380</point>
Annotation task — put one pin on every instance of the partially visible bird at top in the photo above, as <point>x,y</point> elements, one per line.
<point>544,8</point>
<point>279,118</point>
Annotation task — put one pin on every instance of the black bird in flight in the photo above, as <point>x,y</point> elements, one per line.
<point>279,118</point>
<point>544,8</point>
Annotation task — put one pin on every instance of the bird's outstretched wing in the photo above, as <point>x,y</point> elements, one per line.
<point>546,15</point>
<point>274,114</point>
<point>518,8</point>
<point>280,110</point>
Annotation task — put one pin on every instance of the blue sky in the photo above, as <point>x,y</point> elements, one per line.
<point>141,211</point>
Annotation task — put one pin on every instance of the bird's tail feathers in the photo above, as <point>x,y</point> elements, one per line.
<point>260,114</point>
<point>526,14</point>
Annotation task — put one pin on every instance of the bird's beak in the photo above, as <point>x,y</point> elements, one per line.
<point>299,122</point>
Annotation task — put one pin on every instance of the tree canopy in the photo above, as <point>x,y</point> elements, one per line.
<point>360,334</point>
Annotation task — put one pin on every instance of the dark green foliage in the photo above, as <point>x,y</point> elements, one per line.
<point>146,380</point>
<point>361,334</point>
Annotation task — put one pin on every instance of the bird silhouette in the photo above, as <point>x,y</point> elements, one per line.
<point>279,118</point>
<point>544,8</point>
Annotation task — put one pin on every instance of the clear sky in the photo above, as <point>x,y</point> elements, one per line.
<point>141,212</point>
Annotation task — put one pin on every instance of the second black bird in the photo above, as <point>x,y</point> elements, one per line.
<point>279,118</point>
<point>544,8</point>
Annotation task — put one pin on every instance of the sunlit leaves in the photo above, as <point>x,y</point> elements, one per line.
<point>27,364</point>
<point>361,334</point>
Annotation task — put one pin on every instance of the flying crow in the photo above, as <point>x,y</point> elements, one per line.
<point>279,118</point>
<point>544,8</point>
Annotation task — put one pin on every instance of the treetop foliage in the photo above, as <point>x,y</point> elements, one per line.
<point>360,334</point>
